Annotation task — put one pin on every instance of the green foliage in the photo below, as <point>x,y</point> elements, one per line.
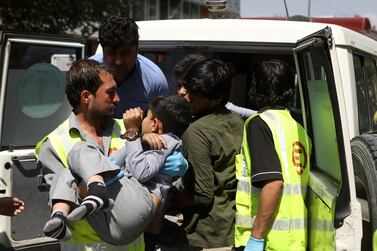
<point>60,16</point>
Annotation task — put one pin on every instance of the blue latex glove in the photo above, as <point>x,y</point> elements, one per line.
<point>175,165</point>
<point>254,244</point>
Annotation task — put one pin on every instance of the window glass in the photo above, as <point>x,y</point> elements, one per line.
<point>138,10</point>
<point>361,92</point>
<point>241,65</point>
<point>323,124</point>
<point>195,10</point>
<point>174,9</point>
<point>153,11</point>
<point>163,9</point>
<point>34,97</point>
<point>371,77</point>
<point>186,10</point>
<point>35,92</point>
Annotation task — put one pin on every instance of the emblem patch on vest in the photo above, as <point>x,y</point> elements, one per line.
<point>299,157</point>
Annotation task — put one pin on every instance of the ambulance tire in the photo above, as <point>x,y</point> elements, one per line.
<point>364,157</point>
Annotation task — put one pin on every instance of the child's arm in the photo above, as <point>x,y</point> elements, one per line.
<point>143,165</point>
<point>153,141</point>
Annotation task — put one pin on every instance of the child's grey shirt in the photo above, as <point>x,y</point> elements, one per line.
<point>145,165</point>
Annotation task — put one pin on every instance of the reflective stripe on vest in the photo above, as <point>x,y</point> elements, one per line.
<point>279,224</point>
<point>292,145</point>
<point>282,143</point>
<point>63,140</point>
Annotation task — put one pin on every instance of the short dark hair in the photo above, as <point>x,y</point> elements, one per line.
<point>173,112</point>
<point>118,32</point>
<point>83,75</point>
<point>272,84</point>
<point>183,66</point>
<point>210,78</point>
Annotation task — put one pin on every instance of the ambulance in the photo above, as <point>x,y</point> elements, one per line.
<point>335,100</point>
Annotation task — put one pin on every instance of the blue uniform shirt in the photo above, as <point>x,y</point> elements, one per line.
<point>145,83</point>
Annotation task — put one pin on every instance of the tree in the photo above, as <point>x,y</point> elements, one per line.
<point>60,16</point>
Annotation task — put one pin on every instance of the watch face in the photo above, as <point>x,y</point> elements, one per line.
<point>131,134</point>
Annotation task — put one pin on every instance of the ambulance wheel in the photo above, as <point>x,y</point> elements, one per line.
<point>364,156</point>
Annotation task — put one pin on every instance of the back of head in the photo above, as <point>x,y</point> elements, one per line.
<point>183,66</point>
<point>272,84</point>
<point>118,32</point>
<point>209,78</point>
<point>173,112</point>
<point>83,75</point>
<point>237,62</point>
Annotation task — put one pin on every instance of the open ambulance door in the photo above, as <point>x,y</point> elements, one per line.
<point>32,104</point>
<point>329,201</point>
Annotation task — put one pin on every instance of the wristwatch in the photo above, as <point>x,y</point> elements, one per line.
<point>131,134</point>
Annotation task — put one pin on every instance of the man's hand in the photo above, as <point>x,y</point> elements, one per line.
<point>133,118</point>
<point>154,141</point>
<point>11,206</point>
<point>254,244</point>
<point>175,165</point>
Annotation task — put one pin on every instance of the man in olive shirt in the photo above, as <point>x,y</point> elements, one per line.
<point>210,145</point>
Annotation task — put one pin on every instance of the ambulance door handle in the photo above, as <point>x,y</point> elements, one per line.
<point>25,158</point>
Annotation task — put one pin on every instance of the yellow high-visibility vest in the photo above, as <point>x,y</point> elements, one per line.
<point>289,228</point>
<point>62,139</point>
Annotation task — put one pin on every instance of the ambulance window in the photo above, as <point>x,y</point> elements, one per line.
<point>35,93</point>
<point>366,89</point>
<point>238,63</point>
<point>371,77</point>
<point>323,131</point>
<point>361,92</point>
<point>174,9</point>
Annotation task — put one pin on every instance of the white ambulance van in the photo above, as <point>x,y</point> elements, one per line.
<point>335,100</point>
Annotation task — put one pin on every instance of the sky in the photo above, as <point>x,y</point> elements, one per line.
<point>319,8</point>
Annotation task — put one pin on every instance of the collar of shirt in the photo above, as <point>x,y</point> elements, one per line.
<point>215,109</point>
<point>132,73</point>
<point>99,57</point>
<point>74,127</point>
<point>274,107</point>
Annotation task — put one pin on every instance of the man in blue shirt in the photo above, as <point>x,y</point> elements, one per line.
<point>139,80</point>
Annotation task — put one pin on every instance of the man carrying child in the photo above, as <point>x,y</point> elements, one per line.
<point>91,91</point>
